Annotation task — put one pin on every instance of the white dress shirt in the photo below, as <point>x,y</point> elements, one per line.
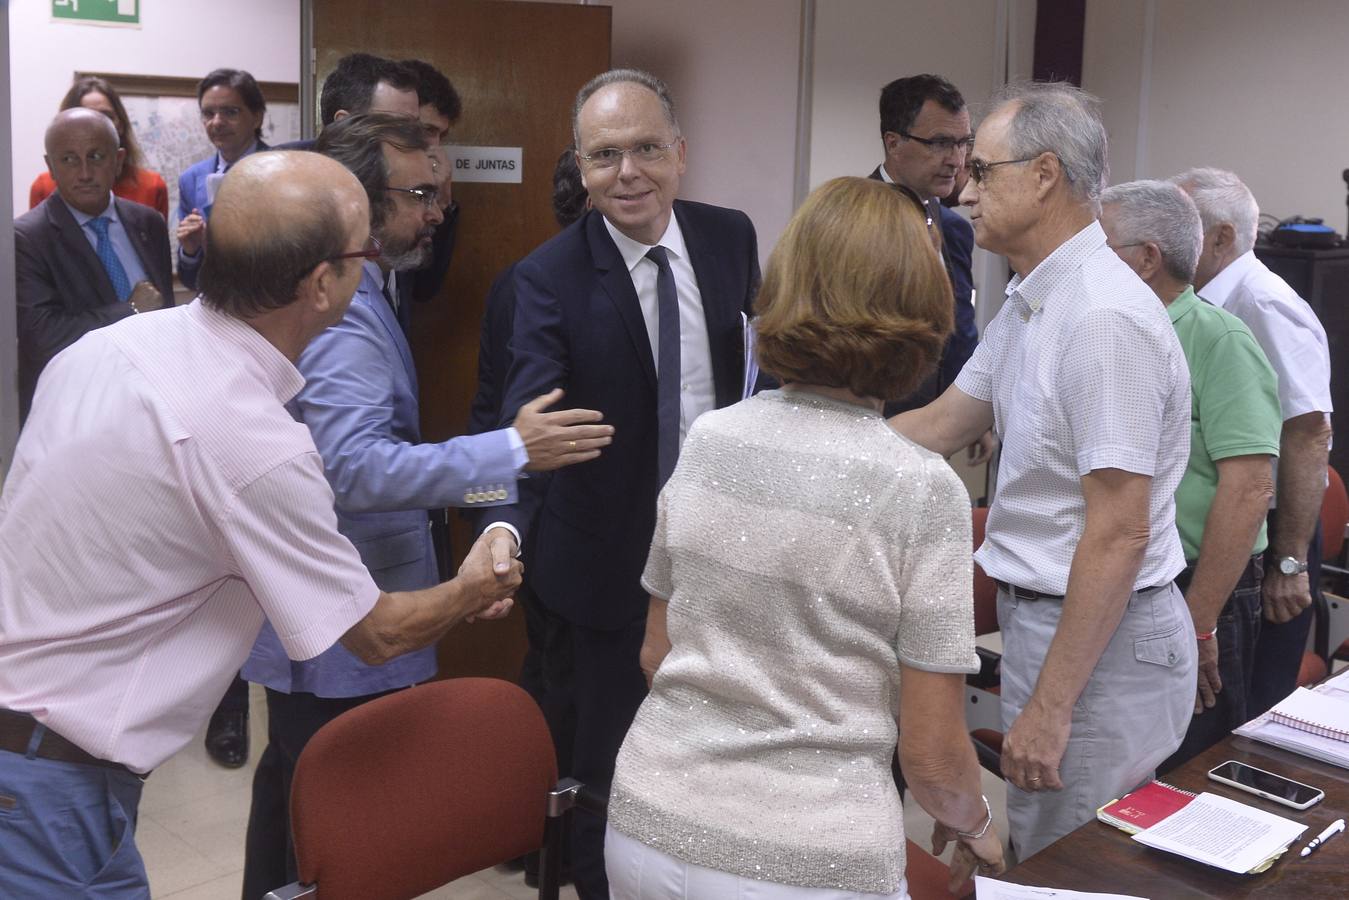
<point>697,391</point>
<point>1084,372</point>
<point>1284,325</point>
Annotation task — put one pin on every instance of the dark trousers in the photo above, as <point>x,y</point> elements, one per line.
<point>606,688</point>
<point>292,719</point>
<point>1239,625</point>
<point>236,697</point>
<point>546,674</point>
<point>1278,652</point>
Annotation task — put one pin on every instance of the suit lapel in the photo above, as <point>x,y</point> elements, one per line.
<point>375,291</point>
<point>617,284</point>
<point>75,247</point>
<point>140,238</point>
<point>721,310</point>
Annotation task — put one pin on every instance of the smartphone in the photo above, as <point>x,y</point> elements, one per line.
<point>1266,784</point>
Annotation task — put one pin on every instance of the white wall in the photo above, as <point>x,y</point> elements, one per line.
<point>1248,86</point>
<point>186,38</point>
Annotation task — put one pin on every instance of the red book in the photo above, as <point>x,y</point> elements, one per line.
<point>1145,807</point>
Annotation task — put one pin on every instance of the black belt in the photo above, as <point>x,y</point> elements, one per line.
<point>1020,593</point>
<point>16,732</point>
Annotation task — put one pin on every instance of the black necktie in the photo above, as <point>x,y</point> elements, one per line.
<point>667,365</point>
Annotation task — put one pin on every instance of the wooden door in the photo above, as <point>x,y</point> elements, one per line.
<point>517,67</point>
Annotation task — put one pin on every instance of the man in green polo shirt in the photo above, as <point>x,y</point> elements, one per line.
<point>1223,498</point>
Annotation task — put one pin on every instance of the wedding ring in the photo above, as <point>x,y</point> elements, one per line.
<point>1034,778</point>
<point>571,445</point>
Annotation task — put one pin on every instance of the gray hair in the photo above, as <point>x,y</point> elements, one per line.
<point>623,76</point>
<point>1222,198</point>
<point>1159,212</point>
<point>1057,118</point>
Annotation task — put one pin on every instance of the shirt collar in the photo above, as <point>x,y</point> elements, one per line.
<point>885,176</point>
<point>1183,305</point>
<point>221,166</point>
<point>280,374</point>
<point>634,252</point>
<point>83,219</point>
<point>1220,288</point>
<point>1067,257</point>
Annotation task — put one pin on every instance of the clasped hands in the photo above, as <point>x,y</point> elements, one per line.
<point>491,574</point>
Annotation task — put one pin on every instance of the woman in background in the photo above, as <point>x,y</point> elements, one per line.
<point>134,182</point>
<point>810,577</point>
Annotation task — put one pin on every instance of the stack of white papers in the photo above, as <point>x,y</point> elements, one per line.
<point>988,889</point>
<point>1223,833</point>
<point>1268,730</point>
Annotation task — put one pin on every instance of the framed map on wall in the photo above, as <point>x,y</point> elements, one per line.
<point>164,118</point>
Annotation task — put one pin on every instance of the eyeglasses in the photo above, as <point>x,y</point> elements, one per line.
<point>427,195</point>
<point>941,145</point>
<point>228,113</point>
<point>979,169</point>
<point>372,249</point>
<point>611,157</point>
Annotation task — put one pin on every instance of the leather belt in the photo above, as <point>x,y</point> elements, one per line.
<point>16,731</point>
<point>1020,593</point>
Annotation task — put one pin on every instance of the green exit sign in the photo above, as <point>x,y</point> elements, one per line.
<point>102,12</point>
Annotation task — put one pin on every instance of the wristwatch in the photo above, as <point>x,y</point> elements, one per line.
<point>1289,565</point>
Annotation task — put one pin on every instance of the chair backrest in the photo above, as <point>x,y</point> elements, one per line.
<point>408,792</point>
<point>1334,516</point>
<point>985,589</point>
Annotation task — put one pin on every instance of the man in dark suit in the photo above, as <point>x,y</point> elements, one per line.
<point>636,311</point>
<point>83,258</point>
<point>925,129</point>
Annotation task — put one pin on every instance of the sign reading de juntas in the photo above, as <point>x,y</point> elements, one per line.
<point>502,165</point>
<point>98,12</point>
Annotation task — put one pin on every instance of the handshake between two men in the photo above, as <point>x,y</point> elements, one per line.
<point>404,621</point>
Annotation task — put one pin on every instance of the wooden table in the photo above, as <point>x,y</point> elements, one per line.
<point>1099,857</point>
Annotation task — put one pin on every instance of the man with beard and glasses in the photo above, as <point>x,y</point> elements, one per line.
<point>360,404</point>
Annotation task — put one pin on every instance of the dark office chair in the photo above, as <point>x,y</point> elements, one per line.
<point>411,791</point>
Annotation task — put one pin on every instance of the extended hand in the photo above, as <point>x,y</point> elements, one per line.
<point>489,574</point>
<point>983,853</point>
<point>191,233</point>
<point>1284,596</point>
<point>563,438</point>
<point>1210,683</point>
<point>981,451</point>
<point>145,297</point>
<point>1034,747</point>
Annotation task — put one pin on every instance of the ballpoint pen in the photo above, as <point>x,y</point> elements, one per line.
<point>1332,829</point>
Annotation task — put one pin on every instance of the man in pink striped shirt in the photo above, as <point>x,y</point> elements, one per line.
<point>161,503</point>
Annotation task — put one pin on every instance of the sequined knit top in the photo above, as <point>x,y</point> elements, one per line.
<point>805,548</point>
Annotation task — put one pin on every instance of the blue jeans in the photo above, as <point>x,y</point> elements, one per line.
<point>1238,630</point>
<point>67,830</point>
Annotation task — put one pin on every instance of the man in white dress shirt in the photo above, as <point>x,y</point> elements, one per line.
<point>1229,276</point>
<point>1086,385</point>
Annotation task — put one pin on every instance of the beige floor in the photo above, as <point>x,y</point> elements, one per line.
<point>193,813</point>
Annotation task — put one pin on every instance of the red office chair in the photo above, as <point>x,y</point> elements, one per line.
<point>982,712</point>
<point>927,876</point>
<point>1332,623</point>
<point>411,791</point>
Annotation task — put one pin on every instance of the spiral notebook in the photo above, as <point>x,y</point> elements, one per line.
<point>1315,713</point>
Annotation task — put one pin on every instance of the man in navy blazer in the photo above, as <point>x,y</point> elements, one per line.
<point>642,284</point>
<point>360,404</point>
<point>63,287</point>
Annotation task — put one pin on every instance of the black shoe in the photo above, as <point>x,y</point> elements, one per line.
<point>227,738</point>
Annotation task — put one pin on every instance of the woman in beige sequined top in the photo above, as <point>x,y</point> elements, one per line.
<point>810,576</point>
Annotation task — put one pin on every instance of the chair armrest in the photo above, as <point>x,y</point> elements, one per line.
<point>292,891</point>
<point>987,676</point>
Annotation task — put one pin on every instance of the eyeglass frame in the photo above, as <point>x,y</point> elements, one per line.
<point>228,113</point>
<point>979,170</point>
<point>590,159</point>
<point>372,251</point>
<point>427,195</point>
<point>940,145</point>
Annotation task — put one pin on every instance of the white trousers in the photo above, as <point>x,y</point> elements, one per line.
<point>638,872</point>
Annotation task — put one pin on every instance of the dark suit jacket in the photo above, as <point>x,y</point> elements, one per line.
<point>63,290</point>
<point>957,250</point>
<point>494,355</point>
<point>578,326</point>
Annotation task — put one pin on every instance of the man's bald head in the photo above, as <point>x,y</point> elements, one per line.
<point>81,120</point>
<point>84,158</point>
<point>277,216</point>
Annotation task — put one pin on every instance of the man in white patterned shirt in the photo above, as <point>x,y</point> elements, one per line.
<point>1083,378</point>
